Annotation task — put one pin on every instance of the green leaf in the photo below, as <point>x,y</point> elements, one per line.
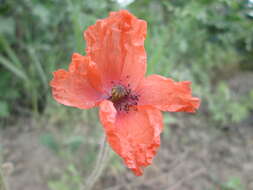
<point>38,67</point>
<point>49,141</point>
<point>4,109</point>
<point>234,183</point>
<point>74,142</point>
<point>42,12</point>
<point>14,69</point>
<point>57,185</point>
<point>7,26</point>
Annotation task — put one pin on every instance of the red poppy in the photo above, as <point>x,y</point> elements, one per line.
<point>111,76</point>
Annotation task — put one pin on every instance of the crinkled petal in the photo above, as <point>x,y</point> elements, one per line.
<point>116,45</point>
<point>135,136</point>
<point>82,65</point>
<point>167,95</point>
<point>73,87</point>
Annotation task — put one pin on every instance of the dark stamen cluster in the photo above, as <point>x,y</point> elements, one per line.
<point>123,97</point>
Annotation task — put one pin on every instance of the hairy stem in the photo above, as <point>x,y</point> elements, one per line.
<point>2,184</point>
<point>101,161</point>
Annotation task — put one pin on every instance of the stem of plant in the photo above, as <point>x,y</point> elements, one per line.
<point>101,161</point>
<point>2,184</point>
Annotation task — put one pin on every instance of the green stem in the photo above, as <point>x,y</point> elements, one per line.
<point>2,184</point>
<point>102,159</point>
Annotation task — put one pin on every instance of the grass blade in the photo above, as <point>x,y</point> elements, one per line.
<point>14,69</point>
<point>38,67</point>
<point>11,54</point>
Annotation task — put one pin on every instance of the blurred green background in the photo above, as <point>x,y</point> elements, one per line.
<point>209,42</point>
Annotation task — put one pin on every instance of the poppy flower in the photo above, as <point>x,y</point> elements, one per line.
<point>112,76</point>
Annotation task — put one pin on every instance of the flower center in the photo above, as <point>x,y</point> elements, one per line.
<point>118,92</point>
<point>123,98</point>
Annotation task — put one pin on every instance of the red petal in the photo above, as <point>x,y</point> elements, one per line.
<point>135,135</point>
<point>116,45</point>
<point>73,87</point>
<point>167,95</point>
<point>82,65</point>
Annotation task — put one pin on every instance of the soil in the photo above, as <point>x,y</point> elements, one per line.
<point>195,157</point>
